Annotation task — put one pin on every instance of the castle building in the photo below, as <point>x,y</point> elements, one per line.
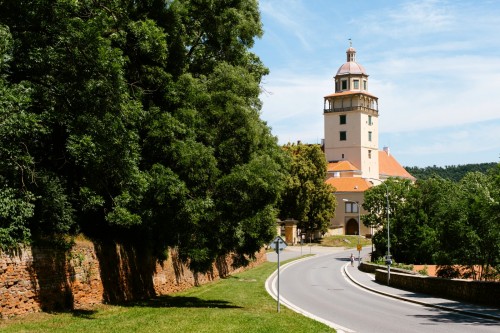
<point>351,146</point>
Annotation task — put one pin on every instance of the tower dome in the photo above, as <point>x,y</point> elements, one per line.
<point>351,66</point>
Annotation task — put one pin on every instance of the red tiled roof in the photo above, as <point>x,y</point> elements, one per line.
<point>341,166</point>
<point>389,167</point>
<point>349,184</point>
<point>350,92</point>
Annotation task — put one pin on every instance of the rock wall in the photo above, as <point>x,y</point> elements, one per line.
<point>45,279</point>
<point>481,292</point>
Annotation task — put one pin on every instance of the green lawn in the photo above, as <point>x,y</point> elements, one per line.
<point>239,303</point>
<point>348,241</point>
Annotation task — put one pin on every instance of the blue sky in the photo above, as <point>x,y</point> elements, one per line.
<point>434,64</point>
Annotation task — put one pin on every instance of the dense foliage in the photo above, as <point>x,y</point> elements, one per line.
<point>307,198</point>
<point>136,120</point>
<point>452,172</point>
<point>438,221</point>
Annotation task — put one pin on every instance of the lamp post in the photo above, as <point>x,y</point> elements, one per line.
<point>359,226</point>
<point>388,258</point>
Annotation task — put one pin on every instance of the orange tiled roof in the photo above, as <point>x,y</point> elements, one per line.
<point>341,166</point>
<point>350,92</point>
<point>389,167</point>
<point>349,184</point>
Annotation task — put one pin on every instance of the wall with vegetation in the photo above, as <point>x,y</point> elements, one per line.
<point>481,292</point>
<point>46,279</point>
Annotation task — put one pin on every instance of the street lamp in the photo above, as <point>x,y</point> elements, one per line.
<point>359,224</point>
<point>388,259</point>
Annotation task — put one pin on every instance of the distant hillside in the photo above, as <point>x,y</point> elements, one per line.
<point>453,172</point>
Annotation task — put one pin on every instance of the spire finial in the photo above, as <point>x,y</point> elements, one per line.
<point>351,53</point>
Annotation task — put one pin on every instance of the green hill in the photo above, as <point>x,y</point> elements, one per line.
<point>452,172</point>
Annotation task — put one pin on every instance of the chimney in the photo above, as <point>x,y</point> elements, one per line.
<point>387,151</point>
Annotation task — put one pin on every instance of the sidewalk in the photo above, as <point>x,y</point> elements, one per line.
<point>367,281</point>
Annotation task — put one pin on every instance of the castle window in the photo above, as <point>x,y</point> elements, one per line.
<point>370,136</point>
<point>343,135</point>
<point>370,120</point>
<point>343,119</point>
<point>369,154</point>
<point>351,207</point>
<point>344,84</point>
<point>356,84</point>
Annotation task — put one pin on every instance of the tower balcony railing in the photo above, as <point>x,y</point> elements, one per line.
<point>352,108</point>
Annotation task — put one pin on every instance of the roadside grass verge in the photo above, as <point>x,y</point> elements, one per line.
<point>238,303</point>
<point>348,241</point>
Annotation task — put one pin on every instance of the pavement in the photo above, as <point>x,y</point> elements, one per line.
<point>367,281</point>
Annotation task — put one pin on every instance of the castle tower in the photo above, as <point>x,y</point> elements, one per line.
<point>351,119</point>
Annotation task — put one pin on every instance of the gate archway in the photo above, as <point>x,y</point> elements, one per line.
<point>351,227</point>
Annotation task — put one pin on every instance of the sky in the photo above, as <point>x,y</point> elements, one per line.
<point>433,64</point>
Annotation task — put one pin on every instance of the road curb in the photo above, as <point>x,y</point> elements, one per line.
<point>469,313</point>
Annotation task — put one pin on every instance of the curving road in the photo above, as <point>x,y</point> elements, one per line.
<point>318,288</point>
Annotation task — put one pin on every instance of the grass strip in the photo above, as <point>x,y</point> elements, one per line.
<point>238,303</point>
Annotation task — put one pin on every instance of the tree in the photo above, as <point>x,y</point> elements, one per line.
<point>439,221</point>
<point>146,124</point>
<point>375,203</point>
<point>470,228</point>
<point>17,167</point>
<point>307,197</point>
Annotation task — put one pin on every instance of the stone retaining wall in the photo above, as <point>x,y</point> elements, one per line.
<point>44,279</point>
<point>481,292</point>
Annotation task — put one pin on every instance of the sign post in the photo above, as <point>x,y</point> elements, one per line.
<point>359,247</point>
<point>278,244</point>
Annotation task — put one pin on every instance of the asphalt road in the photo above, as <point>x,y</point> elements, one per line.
<point>317,287</point>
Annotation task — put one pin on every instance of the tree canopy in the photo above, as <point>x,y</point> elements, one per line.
<point>307,198</point>
<point>451,172</point>
<point>439,221</point>
<point>138,121</point>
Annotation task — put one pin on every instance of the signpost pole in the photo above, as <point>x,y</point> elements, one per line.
<point>278,244</point>
<point>278,252</point>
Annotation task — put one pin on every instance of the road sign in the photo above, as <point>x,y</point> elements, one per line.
<point>360,247</point>
<point>278,244</point>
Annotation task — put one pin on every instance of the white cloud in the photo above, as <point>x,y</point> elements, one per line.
<point>293,17</point>
<point>435,66</point>
<point>424,16</point>
<point>422,93</point>
<point>293,106</point>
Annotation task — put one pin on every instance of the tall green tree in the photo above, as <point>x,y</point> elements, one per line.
<point>307,197</point>
<point>147,123</point>
<point>17,166</point>
<point>439,221</point>
<point>375,203</point>
<point>470,228</point>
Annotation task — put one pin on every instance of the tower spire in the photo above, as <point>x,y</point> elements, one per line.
<point>351,52</point>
